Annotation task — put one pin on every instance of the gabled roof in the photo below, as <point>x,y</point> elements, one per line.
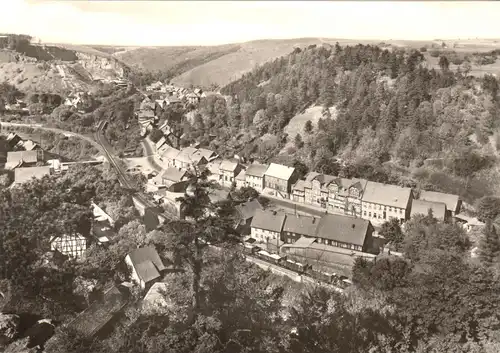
<point>146,114</point>
<point>161,142</point>
<point>241,175</point>
<point>279,171</point>
<point>24,156</point>
<point>147,263</point>
<point>208,154</point>
<point>257,170</point>
<point>299,185</point>
<point>311,176</point>
<point>451,201</point>
<point>303,225</point>
<point>29,145</point>
<point>268,220</point>
<point>99,313</point>
<point>169,152</point>
<point>246,210</point>
<point>190,155</point>
<point>173,174</point>
<point>343,229</point>
<point>422,207</point>
<point>385,194</point>
<point>228,165</point>
<point>214,167</point>
<point>22,175</point>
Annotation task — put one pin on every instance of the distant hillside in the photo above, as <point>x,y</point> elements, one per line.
<point>177,59</point>
<point>202,66</point>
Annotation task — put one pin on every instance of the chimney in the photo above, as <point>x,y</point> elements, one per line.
<point>353,226</point>
<point>314,220</point>
<point>275,213</point>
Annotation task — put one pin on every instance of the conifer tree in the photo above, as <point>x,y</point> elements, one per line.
<point>489,247</point>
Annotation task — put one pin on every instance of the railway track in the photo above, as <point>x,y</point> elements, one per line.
<point>99,138</point>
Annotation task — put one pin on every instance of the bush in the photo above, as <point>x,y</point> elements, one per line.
<point>423,49</point>
<point>155,135</point>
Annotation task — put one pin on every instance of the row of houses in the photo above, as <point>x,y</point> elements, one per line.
<point>180,94</point>
<point>365,199</point>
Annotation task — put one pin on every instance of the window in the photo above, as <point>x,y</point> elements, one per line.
<point>400,210</point>
<point>364,213</point>
<point>369,214</point>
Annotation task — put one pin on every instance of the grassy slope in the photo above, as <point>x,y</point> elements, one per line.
<point>166,58</point>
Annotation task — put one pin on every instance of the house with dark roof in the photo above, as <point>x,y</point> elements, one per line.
<point>254,176</point>
<point>13,140</point>
<point>345,232</point>
<point>98,319</point>
<point>453,202</point>
<point>267,225</point>
<point>380,202</point>
<point>229,169</point>
<point>146,266</point>
<point>297,226</point>
<point>244,213</point>
<point>151,218</point>
<point>422,207</point>
<point>279,179</point>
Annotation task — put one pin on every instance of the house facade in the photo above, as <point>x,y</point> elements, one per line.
<point>229,170</point>
<point>381,202</point>
<point>267,226</point>
<point>73,245</point>
<point>167,154</point>
<point>254,176</point>
<point>279,179</point>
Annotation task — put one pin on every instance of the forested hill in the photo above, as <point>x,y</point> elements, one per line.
<point>389,107</point>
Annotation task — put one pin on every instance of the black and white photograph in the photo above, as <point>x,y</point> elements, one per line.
<point>249,176</point>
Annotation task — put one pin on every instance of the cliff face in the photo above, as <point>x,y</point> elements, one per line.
<point>59,75</point>
<point>100,67</point>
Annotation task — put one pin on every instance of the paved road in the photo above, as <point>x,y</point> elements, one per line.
<point>150,155</point>
<point>58,131</point>
<point>289,204</point>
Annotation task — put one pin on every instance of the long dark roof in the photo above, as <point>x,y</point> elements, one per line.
<point>344,229</point>
<point>247,210</point>
<point>99,313</point>
<point>304,225</point>
<point>268,220</point>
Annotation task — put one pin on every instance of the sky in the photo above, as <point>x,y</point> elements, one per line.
<point>157,23</point>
